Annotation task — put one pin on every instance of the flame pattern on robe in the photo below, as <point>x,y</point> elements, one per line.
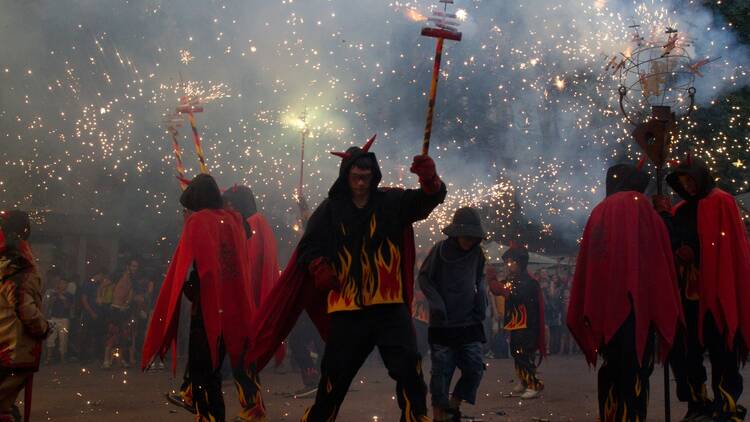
<point>518,318</point>
<point>380,274</point>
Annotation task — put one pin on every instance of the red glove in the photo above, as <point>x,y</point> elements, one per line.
<point>323,274</point>
<point>661,203</point>
<point>685,253</point>
<point>424,167</point>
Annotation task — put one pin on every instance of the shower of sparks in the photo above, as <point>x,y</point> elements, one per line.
<point>531,109</point>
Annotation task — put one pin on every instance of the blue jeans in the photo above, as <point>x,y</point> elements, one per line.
<point>445,359</point>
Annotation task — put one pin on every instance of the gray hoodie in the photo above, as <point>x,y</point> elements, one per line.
<point>453,282</point>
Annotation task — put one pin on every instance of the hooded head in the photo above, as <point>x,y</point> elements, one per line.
<point>202,193</point>
<point>691,180</point>
<point>519,254</point>
<point>241,199</point>
<point>364,161</point>
<point>626,177</point>
<point>466,223</point>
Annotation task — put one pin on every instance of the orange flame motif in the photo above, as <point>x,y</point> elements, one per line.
<point>389,272</point>
<point>348,287</point>
<point>380,274</point>
<point>517,318</point>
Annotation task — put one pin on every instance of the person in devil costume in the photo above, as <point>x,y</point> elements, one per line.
<point>524,319</point>
<point>210,267</point>
<point>624,290</point>
<point>353,272</point>
<point>712,259</point>
<point>23,327</point>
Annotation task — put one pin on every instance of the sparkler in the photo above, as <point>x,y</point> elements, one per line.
<point>443,27</point>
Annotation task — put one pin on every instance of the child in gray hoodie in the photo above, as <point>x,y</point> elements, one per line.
<point>452,279</point>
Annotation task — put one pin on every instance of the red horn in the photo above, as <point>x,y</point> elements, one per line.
<point>367,146</point>
<point>343,155</point>
<point>641,162</point>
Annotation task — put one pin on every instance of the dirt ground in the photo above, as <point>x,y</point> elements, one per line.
<point>72,392</point>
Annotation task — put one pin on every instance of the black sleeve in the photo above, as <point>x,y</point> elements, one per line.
<point>317,234</point>
<point>415,205</point>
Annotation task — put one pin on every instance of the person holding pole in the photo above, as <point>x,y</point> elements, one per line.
<point>624,291</point>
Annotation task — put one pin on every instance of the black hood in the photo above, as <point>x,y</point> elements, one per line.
<point>626,177</point>
<point>698,170</point>
<point>340,188</point>
<point>202,193</point>
<point>518,253</point>
<point>242,200</point>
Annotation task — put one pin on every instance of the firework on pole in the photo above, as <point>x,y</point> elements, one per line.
<point>188,107</point>
<point>173,121</point>
<point>442,25</point>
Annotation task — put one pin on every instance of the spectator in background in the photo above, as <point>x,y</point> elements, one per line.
<point>59,309</point>
<point>120,332</point>
<point>22,324</point>
<point>92,321</point>
<point>499,342</point>
<point>553,296</point>
<point>143,292</point>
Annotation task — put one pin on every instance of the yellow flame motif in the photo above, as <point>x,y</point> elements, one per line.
<point>389,273</point>
<point>637,386</point>
<point>610,406</point>
<point>380,275</point>
<point>517,318</point>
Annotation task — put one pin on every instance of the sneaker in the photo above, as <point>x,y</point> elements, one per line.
<point>519,388</point>
<point>530,394</point>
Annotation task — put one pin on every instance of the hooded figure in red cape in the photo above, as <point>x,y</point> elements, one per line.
<point>261,246</point>
<point>524,319</point>
<point>624,289</point>
<point>712,257</point>
<point>209,266</point>
<point>353,273</point>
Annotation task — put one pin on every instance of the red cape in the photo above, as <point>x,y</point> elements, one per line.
<point>264,265</point>
<point>624,265</point>
<point>724,281</point>
<point>215,241</point>
<point>295,292</point>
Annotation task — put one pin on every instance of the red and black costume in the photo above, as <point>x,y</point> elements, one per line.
<point>353,272</point>
<point>524,317</point>
<point>210,267</point>
<point>624,289</point>
<point>712,257</point>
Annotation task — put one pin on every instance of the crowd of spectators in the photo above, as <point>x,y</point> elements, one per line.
<point>101,320</point>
